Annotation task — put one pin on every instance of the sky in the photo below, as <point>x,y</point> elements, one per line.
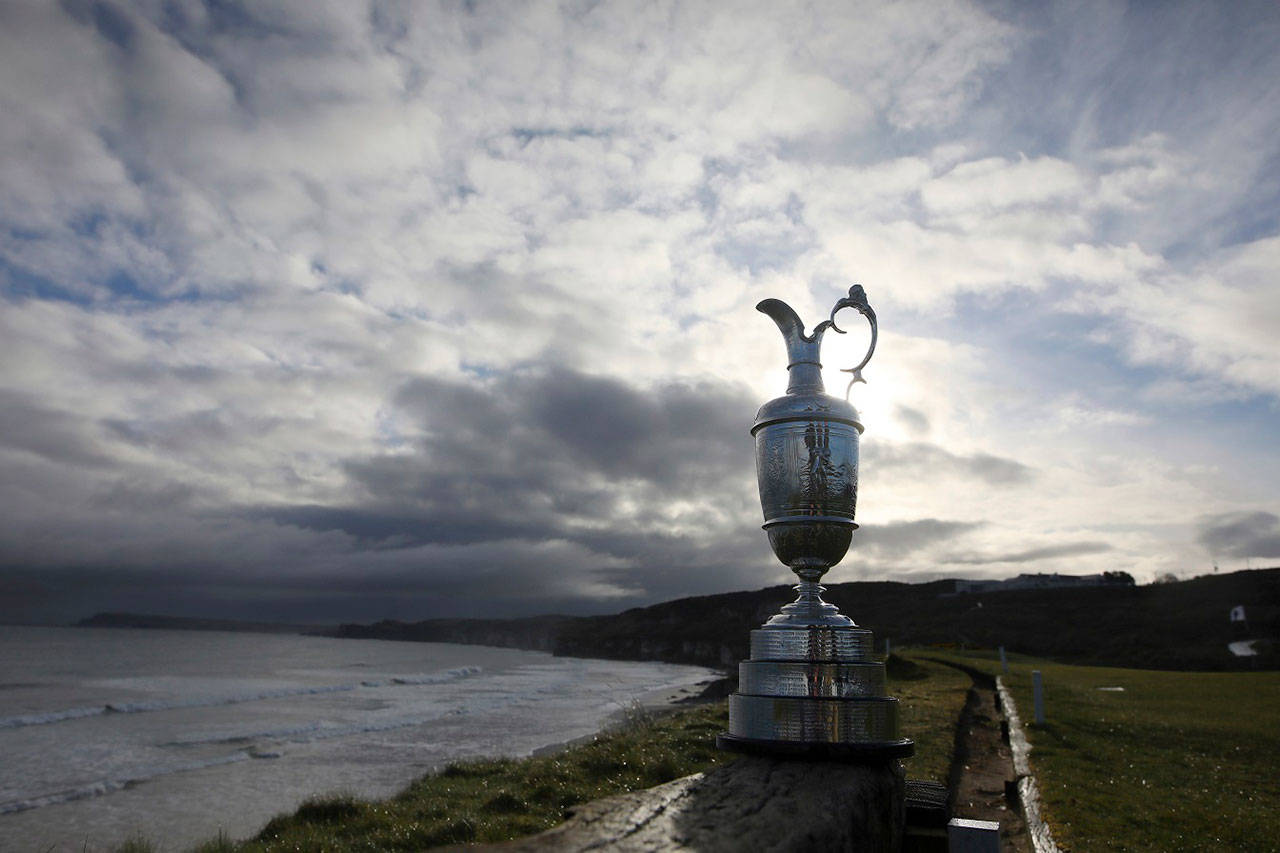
<point>341,311</point>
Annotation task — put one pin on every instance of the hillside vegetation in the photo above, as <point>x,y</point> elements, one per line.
<point>1181,625</point>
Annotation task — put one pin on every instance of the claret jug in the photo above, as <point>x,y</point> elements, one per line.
<point>812,687</point>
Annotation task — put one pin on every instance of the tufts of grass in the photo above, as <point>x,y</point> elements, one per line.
<point>221,844</point>
<point>330,809</point>
<point>137,844</point>
<point>505,802</point>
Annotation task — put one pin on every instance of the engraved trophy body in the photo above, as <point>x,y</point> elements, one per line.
<point>812,687</point>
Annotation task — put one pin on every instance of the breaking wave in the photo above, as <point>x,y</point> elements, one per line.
<point>437,678</point>
<point>235,699</point>
<point>107,786</point>
<point>248,741</point>
<point>308,732</point>
<point>51,717</point>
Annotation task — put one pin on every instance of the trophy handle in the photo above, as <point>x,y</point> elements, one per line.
<point>857,299</point>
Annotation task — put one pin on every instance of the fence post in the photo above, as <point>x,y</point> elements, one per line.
<point>1037,692</point>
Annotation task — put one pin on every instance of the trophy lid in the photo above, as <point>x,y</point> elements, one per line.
<point>807,407</point>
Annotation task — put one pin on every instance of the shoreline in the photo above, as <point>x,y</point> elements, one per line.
<point>655,703</point>
<point>365,718</point>
<point>497,800</point>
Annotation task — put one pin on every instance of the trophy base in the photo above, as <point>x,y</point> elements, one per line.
<point>850,753</point>
<point>813,719</point>
<point>813,689</point>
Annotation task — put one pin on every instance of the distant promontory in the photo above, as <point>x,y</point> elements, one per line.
<point>188,623</point>
<point>1183,625</point>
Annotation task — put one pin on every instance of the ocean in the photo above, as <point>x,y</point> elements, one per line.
<point>107,734</point>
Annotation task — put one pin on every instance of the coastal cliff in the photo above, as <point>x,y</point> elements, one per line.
<point>1176,625</point>
<point>1179,625</point>
<point>189,623</point>
<point>537,633</point>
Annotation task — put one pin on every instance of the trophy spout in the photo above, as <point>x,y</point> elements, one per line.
<point>803,365</point>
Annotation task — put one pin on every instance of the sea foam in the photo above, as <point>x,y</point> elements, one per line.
<point>66,714</point>
<point>107,786</point>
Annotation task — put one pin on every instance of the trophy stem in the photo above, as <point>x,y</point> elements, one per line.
<point>809,610</point>
<point>809,594</point>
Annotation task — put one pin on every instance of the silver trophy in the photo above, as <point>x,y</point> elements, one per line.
<point>811,688</point>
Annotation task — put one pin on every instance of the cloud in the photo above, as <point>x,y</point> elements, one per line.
<point>915,420</point>
<point>1048,552</point>
<point>1240,534</point>
<point>559,455</point>
<point>1219,320</point>
<point>56,436</point>
<point>898,540</point>
<point>563,429</point>
<point>315,303</point>
<point>922,459</point>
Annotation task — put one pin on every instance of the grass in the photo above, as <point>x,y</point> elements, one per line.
<point>1176,761</point>
<point>930,698</point>
<point>501,799</point>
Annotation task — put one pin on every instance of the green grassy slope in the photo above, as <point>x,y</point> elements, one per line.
<point>1176,761</point>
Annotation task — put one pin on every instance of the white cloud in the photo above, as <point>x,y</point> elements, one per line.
<point>226,243</point>
<point>994,184</point>
<point>1220,319</point>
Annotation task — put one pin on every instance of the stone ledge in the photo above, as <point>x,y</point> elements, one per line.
<point>751,804</point>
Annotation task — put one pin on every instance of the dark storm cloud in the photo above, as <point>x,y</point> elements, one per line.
<point>913,419</point>
<point>1075,549</point>
<point>586,467</point>
<point>560,456</point>
<point>70,594</point>
<point>546,489</point>
<point>531,456</point>
<point>54,435</point>
<point>925,460</point>
<point>1241,534</point>
<point>903,538</point>
<point>671,438</point>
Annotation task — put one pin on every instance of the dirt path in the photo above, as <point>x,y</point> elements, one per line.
<point>982,776</point>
